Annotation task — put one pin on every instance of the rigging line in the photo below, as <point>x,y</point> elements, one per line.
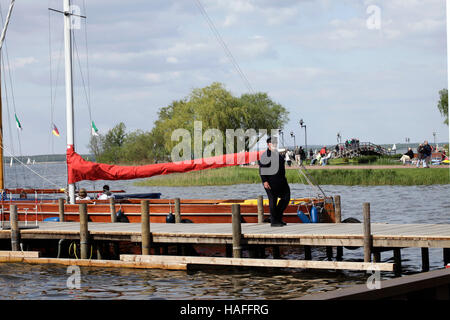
<point>224,46</point>
<point>308,177</point>
<point>9,72</point>
<point>11,136</point>
<point>27,167</point>
<point>81,74</point>
<point>87,61</point>
<point>8,18</point>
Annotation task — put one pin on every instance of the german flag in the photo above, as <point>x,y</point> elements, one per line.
<point>55,130</point>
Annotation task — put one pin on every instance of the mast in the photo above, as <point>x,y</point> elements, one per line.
<point>2,38</point>
<point>69,86</point>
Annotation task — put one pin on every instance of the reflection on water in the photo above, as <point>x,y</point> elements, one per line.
<point>22,281</point>
<point>389,204</point>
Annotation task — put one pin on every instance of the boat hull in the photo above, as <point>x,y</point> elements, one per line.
<point>192,211</point>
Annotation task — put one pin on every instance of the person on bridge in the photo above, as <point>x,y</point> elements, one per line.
<point>273,175</point>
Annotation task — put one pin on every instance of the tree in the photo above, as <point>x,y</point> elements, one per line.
<point>218,109</point>
<point>212,106</point>
<point>443,104</point>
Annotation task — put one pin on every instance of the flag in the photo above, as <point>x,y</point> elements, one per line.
<point>19,126</point>
<point>55,130</point>
<point>94,129</point>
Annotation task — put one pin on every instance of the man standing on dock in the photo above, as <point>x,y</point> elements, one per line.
<point>273,176</point>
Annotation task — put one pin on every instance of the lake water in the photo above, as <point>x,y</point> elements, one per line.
<point>389,204</point>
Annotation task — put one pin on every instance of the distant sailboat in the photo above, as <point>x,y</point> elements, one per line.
<point>11,162</point>
<point>29,161</point>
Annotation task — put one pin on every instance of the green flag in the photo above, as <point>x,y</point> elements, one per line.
<point>94,129</point>
<point>19,126</point>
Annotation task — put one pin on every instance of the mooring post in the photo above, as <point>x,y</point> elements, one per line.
<point>15,231</point>
<point>337,209</point>
<point>112,210</point>
<point>61,209</point>
<point>145,227</point>
<point>425,260</point>
<point>84,231</point>
<point>177,210</point>
<point>338,219</point>
<point>308,255</point>
<point>237,231</point>
<point>398,261</point>
<point>367,232</point>
<point>446,256</point>
<point>260,203</point>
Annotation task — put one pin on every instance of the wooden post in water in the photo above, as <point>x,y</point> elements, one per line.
<point>145,227</point>
<point>84,231</point>
<point>177,210</point>
<point>338,219</point>
<point>425,260</point>
<point>308,255</point>
<point>337,209</point>
<point>446,256</point>
<point>15,231</point>
<point>61,209</point>
<point>367,232</point>
<point>398,261</point>
<point>260,209</point>
<point>237,231</point>
<point>112,210</point>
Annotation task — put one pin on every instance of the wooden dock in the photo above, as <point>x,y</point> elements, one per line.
<point>313,234</point>
<point>323,234</point>
<point>384,237</point>
<point>235,238</point>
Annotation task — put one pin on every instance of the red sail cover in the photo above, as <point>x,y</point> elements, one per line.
<point>79,169</point>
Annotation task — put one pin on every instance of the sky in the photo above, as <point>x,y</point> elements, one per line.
<point>369,70</point>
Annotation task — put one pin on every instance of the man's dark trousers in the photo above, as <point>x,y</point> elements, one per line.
<point>277,209</point>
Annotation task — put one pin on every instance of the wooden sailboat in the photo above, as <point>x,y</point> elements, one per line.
<point>197,211</point>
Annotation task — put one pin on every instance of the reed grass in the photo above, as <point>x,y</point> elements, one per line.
<point>367,177</point>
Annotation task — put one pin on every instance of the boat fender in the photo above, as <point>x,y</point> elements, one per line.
<point>303,217</point>
<point>314,215</point>
<point>351,220</point>
<point>170,218</point>
<point>52,219</point>
<point>121,217</point>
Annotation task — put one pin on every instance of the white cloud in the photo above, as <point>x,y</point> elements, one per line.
<point>22,62</point>
<point>173,60</point>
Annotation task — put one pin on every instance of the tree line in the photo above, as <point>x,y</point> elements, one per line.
<point>214,106</point>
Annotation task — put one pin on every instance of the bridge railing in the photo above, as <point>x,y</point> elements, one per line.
<point>358,147</point>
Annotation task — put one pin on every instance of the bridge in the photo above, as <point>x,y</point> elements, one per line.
<point>361,149</point>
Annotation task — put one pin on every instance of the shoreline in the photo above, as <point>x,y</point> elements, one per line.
<point>362,175</point>
<point>355,167</point>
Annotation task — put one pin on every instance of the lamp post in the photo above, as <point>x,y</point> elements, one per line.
<point>280,132</point>
<point>338,137</point>
<point>434,138</point>
<point>293,136</point>
<point>407,142</point>
<point>302,125</point>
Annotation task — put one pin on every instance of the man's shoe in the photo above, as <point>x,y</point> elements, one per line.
<point>276,224</point>
<point>283,223</point>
